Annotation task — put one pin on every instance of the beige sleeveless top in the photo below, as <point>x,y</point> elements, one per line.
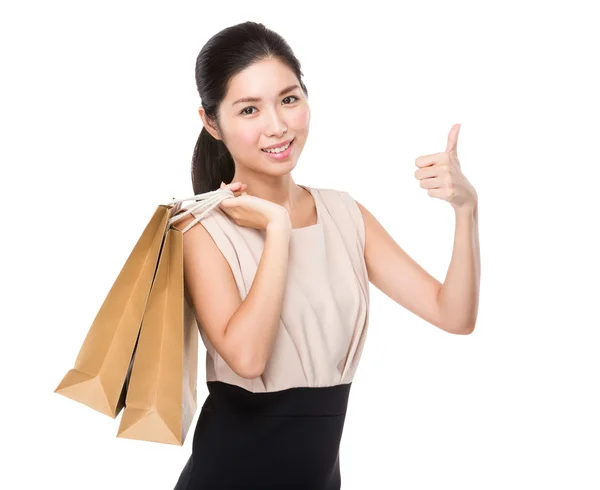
<point>325,310</point>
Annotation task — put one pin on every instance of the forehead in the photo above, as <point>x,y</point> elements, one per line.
<point>263,79</point>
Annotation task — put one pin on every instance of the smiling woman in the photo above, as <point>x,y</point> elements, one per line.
<point>252,107</point>
<point>276,124</point>
<point>282,305</point>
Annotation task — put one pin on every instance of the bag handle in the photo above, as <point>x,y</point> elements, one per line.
<point>205,203</point>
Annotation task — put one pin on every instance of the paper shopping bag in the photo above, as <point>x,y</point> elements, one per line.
<point>101,369</point>
<point>161,397</point>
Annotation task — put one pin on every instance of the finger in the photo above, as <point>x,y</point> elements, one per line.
<point>451,146</point>
<point>232,186</point>
<point>432,183</point>
<point>428,160</point>
<point>227,203</point>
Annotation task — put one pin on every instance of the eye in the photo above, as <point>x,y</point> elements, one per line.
<point>243,111</point>
<point>292,96</point>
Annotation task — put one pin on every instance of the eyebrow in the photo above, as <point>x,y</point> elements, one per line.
<point>258,99</point>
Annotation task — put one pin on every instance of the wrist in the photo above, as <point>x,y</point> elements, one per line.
<point>280,224</point>
<point>467,209</point>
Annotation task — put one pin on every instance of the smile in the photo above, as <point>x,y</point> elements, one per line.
<point>279,150</point>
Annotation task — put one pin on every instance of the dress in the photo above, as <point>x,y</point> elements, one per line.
<point>282,430</point>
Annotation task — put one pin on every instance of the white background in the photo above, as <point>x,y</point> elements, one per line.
<point>99,119</point>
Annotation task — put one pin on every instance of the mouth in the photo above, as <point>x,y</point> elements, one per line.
<point>281,154</point>
<point>278,150</point>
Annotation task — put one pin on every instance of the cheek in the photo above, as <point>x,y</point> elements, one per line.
<point>245,138</point>
<point>301,118</point>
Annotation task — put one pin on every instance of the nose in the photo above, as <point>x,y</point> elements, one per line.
<point>275,125</point>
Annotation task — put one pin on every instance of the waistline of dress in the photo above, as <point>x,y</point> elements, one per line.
<point>298,401</point>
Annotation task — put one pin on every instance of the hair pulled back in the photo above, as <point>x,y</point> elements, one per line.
<point>227,53</point>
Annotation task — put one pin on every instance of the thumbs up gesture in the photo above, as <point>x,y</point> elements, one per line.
<point>441,175</point>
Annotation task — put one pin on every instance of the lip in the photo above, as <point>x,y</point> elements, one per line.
<point>278,145</point>
<point>284,155</point>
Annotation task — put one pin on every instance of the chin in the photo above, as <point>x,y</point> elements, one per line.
<point>280,168</point>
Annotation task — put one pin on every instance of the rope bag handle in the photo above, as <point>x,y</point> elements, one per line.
<point>204,203</point>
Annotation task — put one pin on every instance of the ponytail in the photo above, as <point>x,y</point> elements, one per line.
<point>211,164</point>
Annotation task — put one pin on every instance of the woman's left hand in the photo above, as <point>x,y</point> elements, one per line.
<point>441,174</point>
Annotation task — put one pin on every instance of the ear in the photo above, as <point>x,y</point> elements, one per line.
<point>207,125</point>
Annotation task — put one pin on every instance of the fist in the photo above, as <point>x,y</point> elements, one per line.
<point>442,176</point>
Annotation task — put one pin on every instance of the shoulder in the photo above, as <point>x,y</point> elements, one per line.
<point>329,193</point>
<point>184,221</point>
<point>341,196</point>
<point>196,230</point>
<point>211,236</point>
<point>344,201</point>
<point>203,243</point>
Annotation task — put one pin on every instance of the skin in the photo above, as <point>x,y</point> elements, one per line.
<point>453,305</point>
<point>247,127</point>
<point>243,332</point>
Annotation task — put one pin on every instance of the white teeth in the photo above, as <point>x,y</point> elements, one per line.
<point>279,150</point>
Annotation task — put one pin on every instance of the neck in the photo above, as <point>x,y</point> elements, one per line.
<point>281,190</point>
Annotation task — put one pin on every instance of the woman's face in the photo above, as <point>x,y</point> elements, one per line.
<point>247,127</point>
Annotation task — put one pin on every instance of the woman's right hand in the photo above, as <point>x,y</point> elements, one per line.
<point>252,211</point>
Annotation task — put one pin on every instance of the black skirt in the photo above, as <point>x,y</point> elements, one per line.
<point>281,440</point>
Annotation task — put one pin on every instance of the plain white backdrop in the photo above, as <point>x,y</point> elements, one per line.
<point>98,123</point>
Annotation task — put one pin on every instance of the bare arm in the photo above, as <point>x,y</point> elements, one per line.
<point>452,306</point>
<point>253,327</point>
<point>242,332</point>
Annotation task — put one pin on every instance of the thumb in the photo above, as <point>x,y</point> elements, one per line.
<point>451,146</point>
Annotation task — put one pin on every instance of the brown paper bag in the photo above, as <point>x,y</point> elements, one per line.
<point>161,397</point>
<point>105,364</point>
<point>162,394</point>
<point>101,369</point>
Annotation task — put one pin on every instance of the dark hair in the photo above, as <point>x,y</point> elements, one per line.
<point>227,53</point>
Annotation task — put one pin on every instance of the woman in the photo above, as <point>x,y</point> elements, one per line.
<point>278,276</point>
